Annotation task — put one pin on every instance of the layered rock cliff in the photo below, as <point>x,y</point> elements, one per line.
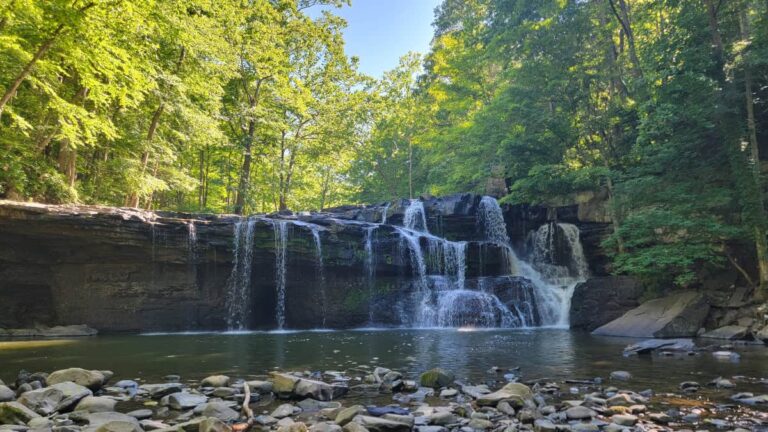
<point>126,270</point>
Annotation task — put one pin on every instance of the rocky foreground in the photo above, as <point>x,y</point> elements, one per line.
<point>364,399</point>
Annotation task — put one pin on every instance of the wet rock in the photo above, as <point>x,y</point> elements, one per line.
<point>449,393</point>
<point>480,424</point>
<point>183,400</point>
<point>221,411</point>
<point>544,425</point>
<point>156,391</point>
<point>94,404</point>
<point>325,427</point>
<point>678,315</point>
<point>689,386</point>
<point>727,355</point>
<point>755,400</point>
<point>347,414</point>
<point>730,332</point>
<point>140,414</point>
<point>292,427</point>
<point>442,418</point>
<point>506,408</point>
<point>378,424</point>
<point>287,386</point>
<point>87,378</point>
<point>650,345</point>
<point>215,381</point>
<point>624,419</point>
<point>265,420</point>
<point>213,425</point>
<point>436,378</point>
<point>6,394</point>
<point>112,422</point>
<point>660,418</point>
<point>722,383</point>
<point>601,300</point>
<point>58,397</point>
<point>354,427</point>
<point>224,392</point>
<point>15,413</point>
<point>621,375</point>
<point>513,392</point>
<point>261,387</point>
<point>579,413</point>
<point>475,392</point>
<point>285,410</point>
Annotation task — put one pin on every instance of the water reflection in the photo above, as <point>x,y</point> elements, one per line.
<point>544,353</point>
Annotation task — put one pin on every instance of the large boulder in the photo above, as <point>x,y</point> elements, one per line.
<point>730,332</point>
<point>56,398</point>
<point>436,378</point>
<point>87,378</point>
<point>600,300</point>
<point>16,413</point>
<point>674,316</point>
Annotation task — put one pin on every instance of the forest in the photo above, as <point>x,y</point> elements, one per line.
<point>245,106</point>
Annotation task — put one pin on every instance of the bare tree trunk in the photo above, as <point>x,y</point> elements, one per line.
<point>133,198</point>
<point>245,171</point>
<point>623,16</point>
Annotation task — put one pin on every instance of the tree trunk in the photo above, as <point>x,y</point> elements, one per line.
<point>622,15</point>
<point>410,169</point>
<point>245,171</point>
<point>133,199</point>
<point>10,91</point>
<point>201,180</point>
<point>68,162</point>
<point>760,232</point>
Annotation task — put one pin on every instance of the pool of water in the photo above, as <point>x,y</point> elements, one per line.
<point>542,353</point>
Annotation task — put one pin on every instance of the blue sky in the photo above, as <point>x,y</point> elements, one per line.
<point>379,32</point>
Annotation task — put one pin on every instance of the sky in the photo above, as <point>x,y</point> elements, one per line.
<point>379,32</point>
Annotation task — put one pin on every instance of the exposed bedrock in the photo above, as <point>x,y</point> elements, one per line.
<point>126,270</point>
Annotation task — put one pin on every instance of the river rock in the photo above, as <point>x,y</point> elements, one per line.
<point>112,422</point>
<point>15,413</point>
<point>579,413</point>
<point>318,390</point>
<point>212,424</point>
<point>650,345</point>
<point>260,387</point>
<point>87,378</point>
<point>285,410</point>
<point>624,419</point>
<point>6,394</point>
<point>378,424</point>
<point>354,427</point>
<point>762,334</point>
<point>346,415</point>
<point>325,427</point>
<point>544,425</point>
<point>157,391</point>
<point>621,375</point>
<point>140,414</point>
<point>183,400</point>
<point>515,392</point>
<point>674,316</point>
<point>221,411</point>
<point>436,378</point>
<point>58,397</point>
<point>215,381</point>
<point>730,332</point>
<point>94,404</point>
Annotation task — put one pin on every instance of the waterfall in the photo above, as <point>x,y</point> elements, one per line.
<point>191,240</point>
<point>239,283</point>
<point>557,265</point>
<point>491,219</point>
<point>384,214</point>
<point>281,245</point>
<point>370,266</point>
<point>415,218</point>
<point>319,266</point>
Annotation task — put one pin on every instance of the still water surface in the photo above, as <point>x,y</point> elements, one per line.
<point>543,353</point>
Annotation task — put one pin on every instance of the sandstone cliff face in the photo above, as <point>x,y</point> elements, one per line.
<point>126,270</point>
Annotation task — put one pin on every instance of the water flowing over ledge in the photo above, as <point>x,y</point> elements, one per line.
<point>460,261</point>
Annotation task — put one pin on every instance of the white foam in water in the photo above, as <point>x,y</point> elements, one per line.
<point>319,265</point>
<point>415,218</point>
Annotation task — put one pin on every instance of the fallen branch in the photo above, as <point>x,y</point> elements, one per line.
<point>246,411</point>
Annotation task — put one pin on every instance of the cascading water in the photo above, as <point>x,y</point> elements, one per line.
<point>415,217</point>
<point>370,266</point>
<point>384,213</point>
<point>319,266</point>
<point>281,246</point>
<point>491,220</point>
<point>191,240</point>
<point>239,284</point>
<point>555,279</point>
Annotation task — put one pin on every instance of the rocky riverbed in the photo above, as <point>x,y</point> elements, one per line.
<point>373,398</point>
